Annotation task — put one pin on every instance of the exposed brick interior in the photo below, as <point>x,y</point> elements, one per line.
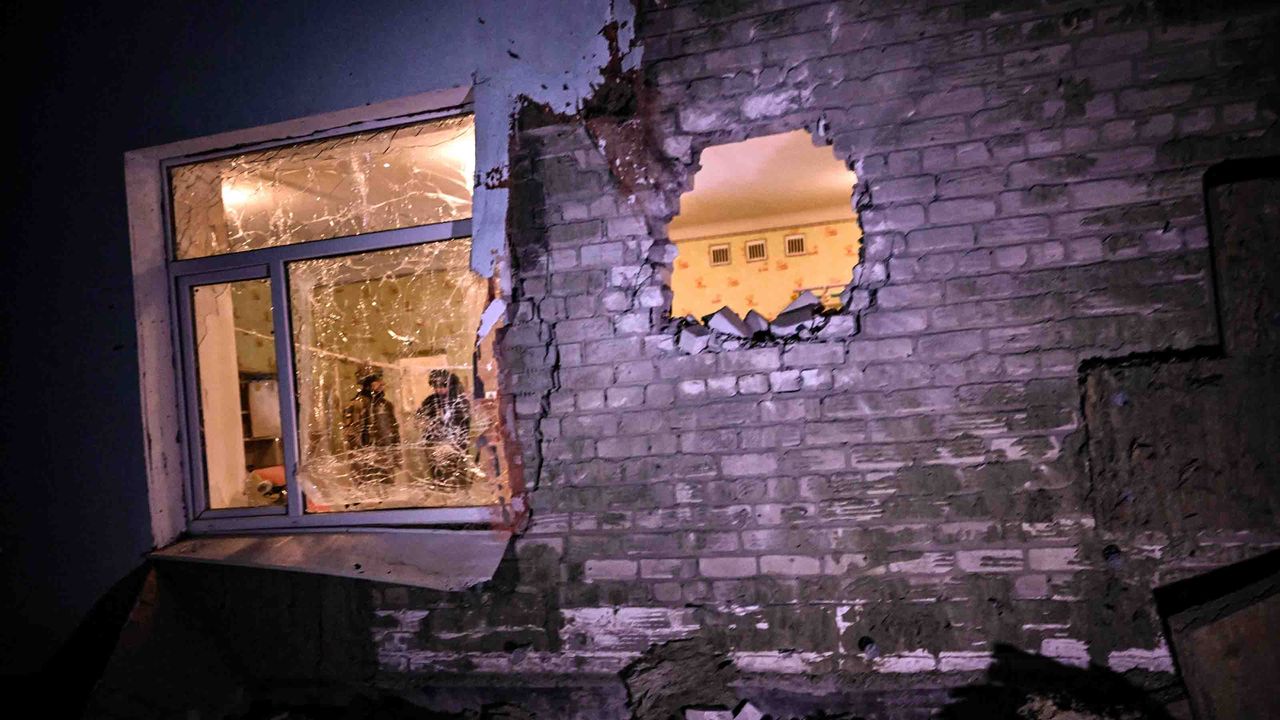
<point>983,448</point>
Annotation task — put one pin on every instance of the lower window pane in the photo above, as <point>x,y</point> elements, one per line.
<point>239,396</point>
<point>397,404</point>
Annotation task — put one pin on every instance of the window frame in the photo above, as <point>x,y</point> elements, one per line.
<point>764,250</point>
<point>170,396</point>
<point>786,245</point>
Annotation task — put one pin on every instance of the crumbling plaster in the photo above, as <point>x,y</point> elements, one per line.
<point>525,54</point>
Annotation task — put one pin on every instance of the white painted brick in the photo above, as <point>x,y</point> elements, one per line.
<point>790,565</point>
<point>720,714</point>
<point>961,661</point>
<point>782,662</point>
<point>1066,650</point>
<point>610,569</point>
<point>629,628</point>
<point>908,662</point>
<point>990,561</point>
<point>727,567</point>
<point>930,563</point>
<point>1054,559</point>
<point>691,389</point>
<point>1153,660</point>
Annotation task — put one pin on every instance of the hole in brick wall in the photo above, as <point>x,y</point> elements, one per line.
<point>767,239</point>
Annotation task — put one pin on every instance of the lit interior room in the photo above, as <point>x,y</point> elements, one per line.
<point>767,220</point>
<point>372,332</point>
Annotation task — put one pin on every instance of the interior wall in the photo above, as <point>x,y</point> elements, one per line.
<point>699,288</point>
<point>221,424</point>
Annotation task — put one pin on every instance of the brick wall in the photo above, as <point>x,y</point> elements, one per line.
<point>1031,192</point>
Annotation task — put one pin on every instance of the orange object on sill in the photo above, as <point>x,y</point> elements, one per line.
<point>274,474</point>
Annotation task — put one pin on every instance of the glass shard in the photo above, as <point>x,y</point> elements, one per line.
<point>380,180</point>
<point>239,397</point>
<point>397,401</point>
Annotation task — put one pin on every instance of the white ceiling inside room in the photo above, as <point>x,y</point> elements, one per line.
<point>765,177</point>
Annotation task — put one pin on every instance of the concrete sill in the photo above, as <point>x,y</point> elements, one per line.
<point>418,557</point>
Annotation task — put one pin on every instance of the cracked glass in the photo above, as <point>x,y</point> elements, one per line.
<point>239,396</point>
<point>384,179</point>
<point>397,399</point>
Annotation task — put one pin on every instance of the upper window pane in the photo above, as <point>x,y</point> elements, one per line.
<point>380,180</point>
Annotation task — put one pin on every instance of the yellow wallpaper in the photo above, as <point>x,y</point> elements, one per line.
<point>765,286</point>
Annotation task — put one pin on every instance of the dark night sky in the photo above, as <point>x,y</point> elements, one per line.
<point>94,80</point>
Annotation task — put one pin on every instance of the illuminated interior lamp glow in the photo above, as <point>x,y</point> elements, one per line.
<point>233,195</point>
<point>461,148</point>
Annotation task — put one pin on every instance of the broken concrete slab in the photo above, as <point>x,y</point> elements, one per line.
<point>496,310</point>
<point>793,321</point>
<point>838,326</point>
<point>694,338</point>
<point>748,711</point>
<point>806,299</point>
<point>756,322</point>
<point>846,295</point>
<point>727,321</point>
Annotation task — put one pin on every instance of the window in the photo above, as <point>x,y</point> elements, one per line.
<point>719,254</point>
<point>755,250</point>
<point>795,244</point>
<point>326,316</point>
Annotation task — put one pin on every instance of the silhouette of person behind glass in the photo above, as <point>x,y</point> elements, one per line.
<point>445,417</point>
<point>370,430</point>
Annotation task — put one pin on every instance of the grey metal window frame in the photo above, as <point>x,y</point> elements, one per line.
<point>270,263</point>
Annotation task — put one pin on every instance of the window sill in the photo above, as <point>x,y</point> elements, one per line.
<point>430,558</point>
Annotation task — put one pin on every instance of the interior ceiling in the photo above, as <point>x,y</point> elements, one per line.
<point>760,177</point>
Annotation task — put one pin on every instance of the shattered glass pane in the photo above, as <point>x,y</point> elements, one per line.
<point>397,401</point>
<point>380,180</point>
<point>239,395</point>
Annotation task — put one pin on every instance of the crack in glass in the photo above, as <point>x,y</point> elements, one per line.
<point>380,180</point>
<point>396,395</point>
<point>397,403</point>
